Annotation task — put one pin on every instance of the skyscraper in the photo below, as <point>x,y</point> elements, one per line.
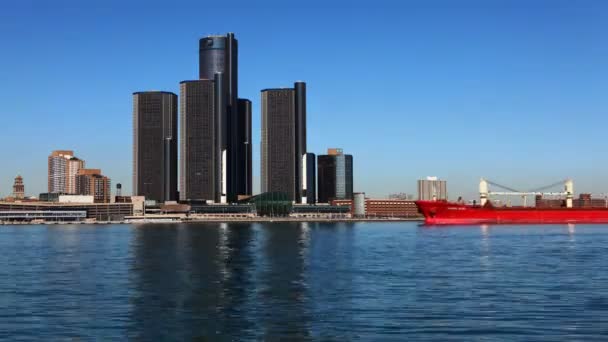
<point>155,145</point>
<point>283,148</point>
<point>244,162</point>
<point>200,142</point>
<point>432,188</point>
<point>63,167</point>
<point>218,61</point>
<point>92,182</point>
<point>335,176</point>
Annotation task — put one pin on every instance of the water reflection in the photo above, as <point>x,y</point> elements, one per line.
<point>282,286</point>
<point>215,282</point>
<point>185,280</point>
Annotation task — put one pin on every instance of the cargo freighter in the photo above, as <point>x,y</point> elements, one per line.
<point>438,212</point>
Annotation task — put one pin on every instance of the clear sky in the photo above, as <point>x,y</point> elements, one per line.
<point>515,91</point>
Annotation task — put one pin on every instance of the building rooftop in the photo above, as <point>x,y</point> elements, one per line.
<point>275,89</point>
<point>153,92</point>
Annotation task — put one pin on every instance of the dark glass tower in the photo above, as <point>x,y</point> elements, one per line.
<point>155,145</point>
<point>335,176</point>
<point>218,55</point>
<point>245,144</point>
<point>199,160</point>
<point>283,147</point>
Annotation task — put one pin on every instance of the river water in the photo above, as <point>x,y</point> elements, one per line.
<point>304,281</point>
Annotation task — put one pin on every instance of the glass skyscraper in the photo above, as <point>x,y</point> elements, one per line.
<point>335,176</point>
<point>215,138</point>
<point>283,149</point>
<point>155,145</point>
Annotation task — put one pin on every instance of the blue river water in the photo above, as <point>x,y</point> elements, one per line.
<point>304,282</point>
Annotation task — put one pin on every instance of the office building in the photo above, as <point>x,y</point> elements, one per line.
<point>90,182</point>
<point>155,145</point>
<point>431,189</point>
<point>381,207</point>
<point>203,150</point>
<point>334,176</point>
<point>62,171</point>
<point>215,127</point>
<point>283,148</point>
<point>245,145</point>
<point>18,188</point>
<point>55,211</point>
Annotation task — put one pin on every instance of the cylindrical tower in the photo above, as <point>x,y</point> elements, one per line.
<point>221,130</point>
<point>569,185</point>
<point>219,54</point>
<point>483,191</point>
<point>244,166</point>
<point>212,55</point>
<point>300,135</point>
<point>359,204</point>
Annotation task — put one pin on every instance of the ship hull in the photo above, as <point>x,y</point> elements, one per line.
<point>446,213</point>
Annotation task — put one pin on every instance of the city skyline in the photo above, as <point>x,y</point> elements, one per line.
<point>457,103</point>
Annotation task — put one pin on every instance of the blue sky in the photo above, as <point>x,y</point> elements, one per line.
<point>514,91</point>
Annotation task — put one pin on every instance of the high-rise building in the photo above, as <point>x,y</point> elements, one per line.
<point>92,182</point>
<point>218,63</point>
<point>244,161</point>
<point>63,167</point>
<point>18,188</point>
<point>201,145</point>
<point>431,189</point>
<point>155,145</point>
<point>283,149</point>
<point>335,176</point>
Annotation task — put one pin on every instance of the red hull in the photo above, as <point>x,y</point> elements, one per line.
<point>441,212</point>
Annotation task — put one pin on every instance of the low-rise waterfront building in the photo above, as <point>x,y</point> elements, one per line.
<point>94,211</point>
<point>388,208</point>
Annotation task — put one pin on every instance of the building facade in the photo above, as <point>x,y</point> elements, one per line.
<point>431,189</point>
<point>384,208</point>
<point>334,176</point>
<point>155,145</point>
<point>18,188</point>
<point>92,183</point>
<point>245,145</point>
<point>218,61</point>
<point>283,143</point>
<point>202,150</point>
<point>309,186</point>
<point>63,167</point>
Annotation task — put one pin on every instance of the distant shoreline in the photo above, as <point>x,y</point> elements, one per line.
<point>219,220</point>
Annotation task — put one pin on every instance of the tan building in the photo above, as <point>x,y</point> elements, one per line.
<point>432,189</point>
<point>63,168</point>
<point>18,188</point>
<point>385,207</point>
<point>92,183</point>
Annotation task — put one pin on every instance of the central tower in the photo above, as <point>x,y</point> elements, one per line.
<point>214,126</point>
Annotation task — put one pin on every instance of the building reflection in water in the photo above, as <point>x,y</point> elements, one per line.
<point>282,289</point>
<point>219,282</point>
<point>190,282</point>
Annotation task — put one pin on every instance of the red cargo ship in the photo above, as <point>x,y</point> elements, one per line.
<point>443,212</point>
